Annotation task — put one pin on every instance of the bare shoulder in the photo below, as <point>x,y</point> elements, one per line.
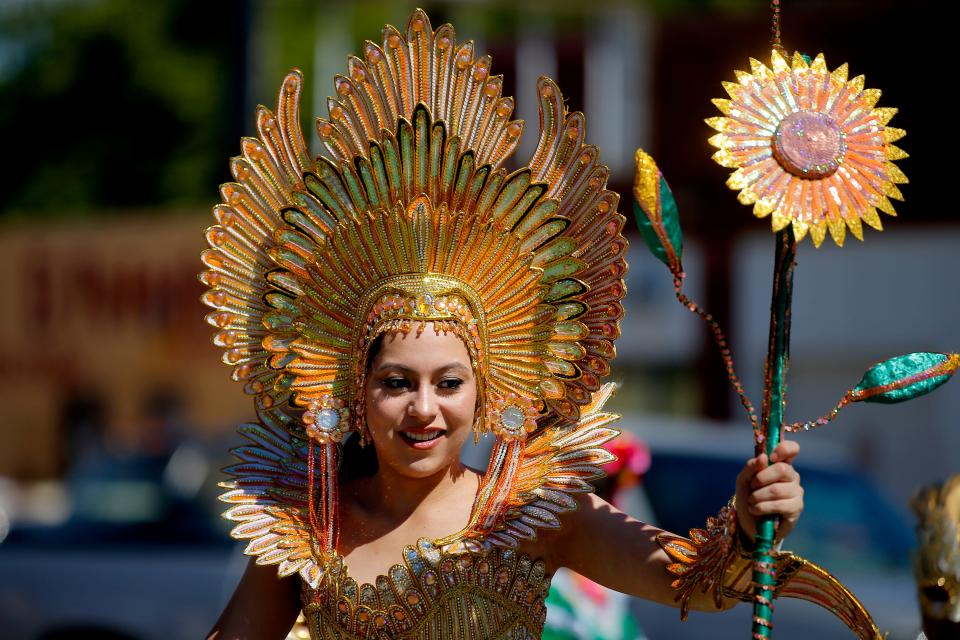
<point>553,546</point>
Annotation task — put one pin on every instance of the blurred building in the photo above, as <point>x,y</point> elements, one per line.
<point>102,305</point>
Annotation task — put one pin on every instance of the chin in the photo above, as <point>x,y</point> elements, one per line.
<point>425,464</point>
<point>423,468</point>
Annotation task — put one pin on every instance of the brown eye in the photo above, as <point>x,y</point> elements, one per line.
<point>395,384</point>
<point>450,383</point>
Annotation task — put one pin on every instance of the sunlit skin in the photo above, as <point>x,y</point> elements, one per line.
<point>421,384</point>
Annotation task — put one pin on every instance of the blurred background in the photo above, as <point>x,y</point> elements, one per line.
<point>116,414</point>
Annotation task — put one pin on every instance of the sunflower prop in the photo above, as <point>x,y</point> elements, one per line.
<point>810,150</point>
<point>809,147</point>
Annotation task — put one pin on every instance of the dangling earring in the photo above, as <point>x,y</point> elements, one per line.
<point>360,425</point>
<point>359,422</point>
<point>479,426</point>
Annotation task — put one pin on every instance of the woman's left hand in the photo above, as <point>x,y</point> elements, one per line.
<point>770,487</point>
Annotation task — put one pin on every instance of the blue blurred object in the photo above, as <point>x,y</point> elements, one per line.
<point>139,558</point>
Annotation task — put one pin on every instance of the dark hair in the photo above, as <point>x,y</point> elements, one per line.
<point>357,461</point>
<point>374,350</point>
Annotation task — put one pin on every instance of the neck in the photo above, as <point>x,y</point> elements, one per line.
<point>399,497</point>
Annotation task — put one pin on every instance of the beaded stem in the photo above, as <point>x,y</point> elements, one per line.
<point>721,340</point>
<point>775,26</point>
<point>795,427</point>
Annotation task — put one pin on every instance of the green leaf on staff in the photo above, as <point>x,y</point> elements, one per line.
<point>905,377</point>
<point>656,212</point>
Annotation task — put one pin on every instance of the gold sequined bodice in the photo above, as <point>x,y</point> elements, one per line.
<point>433,595</point>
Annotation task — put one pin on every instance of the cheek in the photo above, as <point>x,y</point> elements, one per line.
<point>463,411</point>
<point>383,410</point>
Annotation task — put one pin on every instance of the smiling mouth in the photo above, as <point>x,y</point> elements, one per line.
<point>422,437</point>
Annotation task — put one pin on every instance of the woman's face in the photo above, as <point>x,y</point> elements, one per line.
<point>421,397</point>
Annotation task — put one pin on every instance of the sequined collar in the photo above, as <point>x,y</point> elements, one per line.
<point>496,589</point>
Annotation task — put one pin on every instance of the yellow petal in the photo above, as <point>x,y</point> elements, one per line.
<point>871,218</point>
<point>747,197</point>
<point>743,77</point>
<point>779,64</point>
<point>717,140</point>
<point>723,104</point>
<point>895,174</point>
<point>799,62</point>
<point>892,134</point>
<point>732,88</point>
<point>780,218</point>
<point>839,74</point>
<point>763,208</point>
<point>891,191</point>
<point>857,83</point>
<point>718,123</point>
<point>855,228</point>
<point>818,231</point>
<point>758,69</point>
<point>896,153</point>
<point>837,229</point>
<point>819,65</point>
<point>871,96</point>
<point>738,180</point>
<point>725,159</point>
<point>883,114</point>
<point>800,229</point>
<point>886,206</point>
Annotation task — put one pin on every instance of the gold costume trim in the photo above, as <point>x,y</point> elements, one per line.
<point>714,561</point>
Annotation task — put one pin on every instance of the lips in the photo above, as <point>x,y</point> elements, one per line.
<point>422,439</point>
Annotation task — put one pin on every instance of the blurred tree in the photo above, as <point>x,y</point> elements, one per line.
<point>117,104</point>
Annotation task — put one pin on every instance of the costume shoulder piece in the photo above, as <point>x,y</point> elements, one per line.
<point>937,561</point>
<point>411,218</point>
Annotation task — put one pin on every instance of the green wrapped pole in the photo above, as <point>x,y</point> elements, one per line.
<point>778,355</point>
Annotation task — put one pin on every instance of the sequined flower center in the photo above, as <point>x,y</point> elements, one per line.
<point>328,419</point>
<point>809,144</point>
<point>325,420</point>
<point>512,418</point>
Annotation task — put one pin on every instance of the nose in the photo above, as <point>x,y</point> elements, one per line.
<point>423,405</point>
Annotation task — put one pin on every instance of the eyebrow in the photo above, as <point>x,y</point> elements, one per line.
<point>453,366</point>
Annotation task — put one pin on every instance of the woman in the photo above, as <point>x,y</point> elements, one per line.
<point>421,396</point>
<point>408,289</point>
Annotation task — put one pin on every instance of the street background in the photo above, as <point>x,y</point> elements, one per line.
<point>118,119</point>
